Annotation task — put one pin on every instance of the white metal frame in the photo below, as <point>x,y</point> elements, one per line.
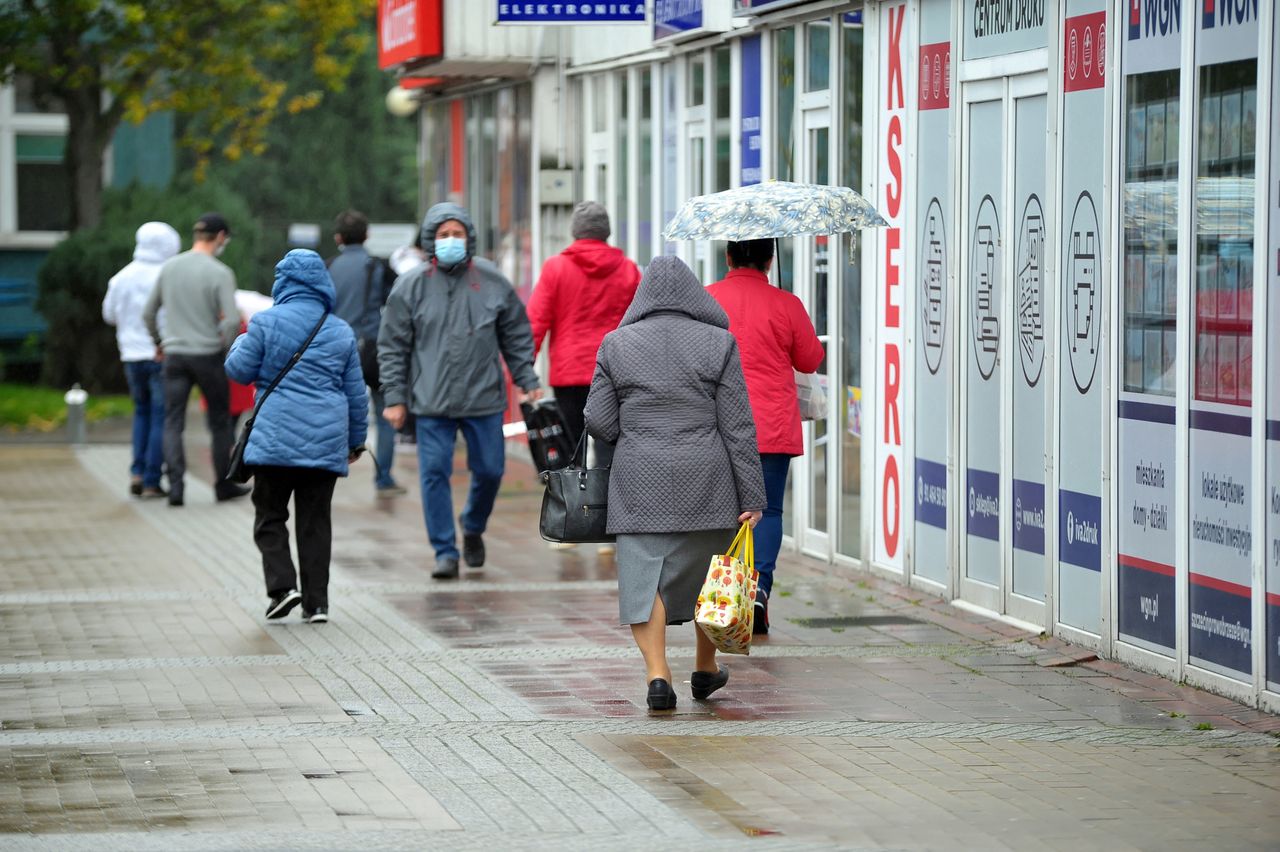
<point>12,125</point>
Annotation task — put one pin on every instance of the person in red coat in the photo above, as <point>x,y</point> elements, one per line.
<point>775,338</point>
<point>580,297</point>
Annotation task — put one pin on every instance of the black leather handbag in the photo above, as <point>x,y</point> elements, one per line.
<point>237,470</point>
<point>575,504</point>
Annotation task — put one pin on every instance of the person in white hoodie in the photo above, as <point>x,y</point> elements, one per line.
<point>127,295</point>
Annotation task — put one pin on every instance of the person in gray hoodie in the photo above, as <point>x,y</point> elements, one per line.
<point>669,392</point>
<point>446,325</point>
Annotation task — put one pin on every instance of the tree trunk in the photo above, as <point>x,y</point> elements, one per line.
<point>88,131</point>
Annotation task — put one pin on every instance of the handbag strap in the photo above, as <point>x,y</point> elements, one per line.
<point>296,357</point>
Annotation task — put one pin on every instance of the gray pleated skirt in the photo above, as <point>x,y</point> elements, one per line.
<point>671,564</point>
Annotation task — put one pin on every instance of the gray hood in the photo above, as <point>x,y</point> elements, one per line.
<point>670,286</point>
<point>437,216</point>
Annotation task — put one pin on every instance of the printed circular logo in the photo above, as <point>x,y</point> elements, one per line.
<point>973,501</point>
<point>933,286</point>
<point>1088,51</point>
<point>924,76</point>
<point>1017,514</point>
<point>1102,49</point>
<point>937,79</point>
<point>919,490</point>
<point>1073,55</point>
<point>984,290</point>
<point>1071,528</point>
<point>1030,271</point>
<point>1082,297</point>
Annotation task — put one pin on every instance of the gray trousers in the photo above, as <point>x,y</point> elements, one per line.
<point>206,372</point>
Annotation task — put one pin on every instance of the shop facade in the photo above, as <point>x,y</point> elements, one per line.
<point>1054,385</point>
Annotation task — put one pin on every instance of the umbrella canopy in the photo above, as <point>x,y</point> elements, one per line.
<point>775,208</point>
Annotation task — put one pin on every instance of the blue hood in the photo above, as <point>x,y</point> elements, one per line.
<point>301,274</point>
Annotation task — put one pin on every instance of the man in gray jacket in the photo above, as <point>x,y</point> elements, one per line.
<point>444,327</point>
<point>198,293</point>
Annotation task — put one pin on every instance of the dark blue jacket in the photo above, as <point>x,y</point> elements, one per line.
<point>318,413</point>
<point>362,287</point>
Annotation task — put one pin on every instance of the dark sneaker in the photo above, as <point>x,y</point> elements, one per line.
<point>135,487</point>
<point>661,695</point>
<point>473,549</point>
<point>705,683</point>
<point>393,490</point>
<point>760,619</point>
<point>319,616</point>
<point>231,491</point>
<point>446,568</point>
<point>153,493</point>
<point>282,605</point>
<point>175,498</point>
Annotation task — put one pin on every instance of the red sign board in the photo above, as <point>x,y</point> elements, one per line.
<point>1084,52</point>
<point>409,30</point>
<point>935,75</point>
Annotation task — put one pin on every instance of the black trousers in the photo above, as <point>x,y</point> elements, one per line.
<point>312,492</point>
<point>573,401</point>
<point>206,372</point>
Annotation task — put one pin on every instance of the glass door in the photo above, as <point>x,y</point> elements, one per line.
<point>696,184</point>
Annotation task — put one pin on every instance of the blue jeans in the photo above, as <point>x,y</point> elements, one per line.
<point>146,386</point>
<point>768,534</point>
<point>385,452</point>
<point>486,459</point>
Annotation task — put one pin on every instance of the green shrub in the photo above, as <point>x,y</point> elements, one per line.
<point>79,346</point>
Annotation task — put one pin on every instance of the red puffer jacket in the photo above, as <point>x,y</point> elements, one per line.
<point>775,337</point>
<point>580,297</point>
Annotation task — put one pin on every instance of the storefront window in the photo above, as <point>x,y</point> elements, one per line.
<point>697,81</point>
<point>436,165</point>
<point>43,189</point>
<point>644,186</point>
<point>619,207</point>
<point>817,76</point>
<point>723,141</point>
<point>670,141</point>
<point>784,49</point>
<point>1224,239</point>
<point>599,107</point>
<point>849,400</point>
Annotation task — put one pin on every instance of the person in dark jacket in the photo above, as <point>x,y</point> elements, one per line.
<point>668,391</point>
<point>445,327</point>
<point>308,430</point>
<point>777,340</point>
<point>581,296</point>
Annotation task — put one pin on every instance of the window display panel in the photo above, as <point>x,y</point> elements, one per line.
<point>723,141</point>
<point>1272,272</point>
<point>618,208</point>
<point>1220,594</point>
<point>849,403</point>
<point>43,188</point>
<point>644,186</point>
<point>1147,543</point>
<point>784,57</point>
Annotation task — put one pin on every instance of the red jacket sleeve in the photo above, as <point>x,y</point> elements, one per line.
<point>806,349</point>
<point>542,304</point>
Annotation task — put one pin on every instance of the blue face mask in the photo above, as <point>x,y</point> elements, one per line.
<point>450,250</point>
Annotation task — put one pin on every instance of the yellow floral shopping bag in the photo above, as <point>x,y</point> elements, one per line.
<point>726,604</point>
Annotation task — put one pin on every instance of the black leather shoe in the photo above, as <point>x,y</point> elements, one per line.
<point>705,683</point>
<point>446,569</point>
<point>760,618</point>
<point>661,695</point>
<point>231,491</point>
<point>473,549</point>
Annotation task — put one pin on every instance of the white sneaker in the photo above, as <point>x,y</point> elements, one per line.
<point>561,545</point>
<point>606,549</point>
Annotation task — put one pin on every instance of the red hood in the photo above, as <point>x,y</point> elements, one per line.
<point>595,258</point>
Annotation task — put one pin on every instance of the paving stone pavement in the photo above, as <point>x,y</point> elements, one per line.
<point>146,704</point>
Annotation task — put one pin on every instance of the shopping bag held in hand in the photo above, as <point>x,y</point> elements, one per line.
<point>726,604</point>
<point>575,505</point>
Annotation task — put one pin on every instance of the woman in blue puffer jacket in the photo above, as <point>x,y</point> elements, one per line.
<point>307,432</point>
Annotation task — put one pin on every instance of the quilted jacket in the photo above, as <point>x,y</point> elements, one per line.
<point>317,414</point>
<point>581,296</point>
<point>668,390</point>
<point>777,338</point>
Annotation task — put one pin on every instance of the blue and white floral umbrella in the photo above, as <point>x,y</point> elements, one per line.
<point>772,209</point>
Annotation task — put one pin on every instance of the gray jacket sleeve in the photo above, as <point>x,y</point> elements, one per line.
<point>738,430</point>
<point>228,313</point>
<point>395,343</point>
<point>152,310</point>
<point>515,339</point>
<point>601,412</point>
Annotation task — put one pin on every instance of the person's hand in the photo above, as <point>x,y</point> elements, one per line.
<point>354,454</point>
<point>530,395</point>
<point>752,518</point>
<point>159,353</point>
<point>395,415</point>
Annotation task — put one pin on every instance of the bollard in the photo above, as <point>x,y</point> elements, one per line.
<point>76,399</point>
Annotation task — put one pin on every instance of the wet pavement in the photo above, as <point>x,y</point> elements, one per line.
<point>146,704</point>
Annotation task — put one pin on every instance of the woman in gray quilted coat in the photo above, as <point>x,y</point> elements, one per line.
<point>668,391</point>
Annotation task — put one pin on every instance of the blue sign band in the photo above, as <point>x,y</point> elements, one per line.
<point>931,493</point>
<point>1028,516</point>
<point>982,504</point>
<point>1080,529</point>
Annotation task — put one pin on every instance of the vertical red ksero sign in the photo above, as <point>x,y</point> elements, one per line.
<point>889,290</point>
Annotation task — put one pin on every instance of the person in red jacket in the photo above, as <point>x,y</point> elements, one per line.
<point>580,297</point>
<point>775,338</point>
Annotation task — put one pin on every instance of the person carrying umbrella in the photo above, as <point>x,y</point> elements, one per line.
<point>775,337</point>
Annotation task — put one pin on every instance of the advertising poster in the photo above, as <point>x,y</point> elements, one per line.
<point>1220,601</point>
<point>1032,310</point>
<point>751,135</point>
<point>935,331</point>
<point>1273,392</point>
<point>891,243</point>
<point>984,297</point>
<point>1082,301</point>
<point>1148,471</point>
